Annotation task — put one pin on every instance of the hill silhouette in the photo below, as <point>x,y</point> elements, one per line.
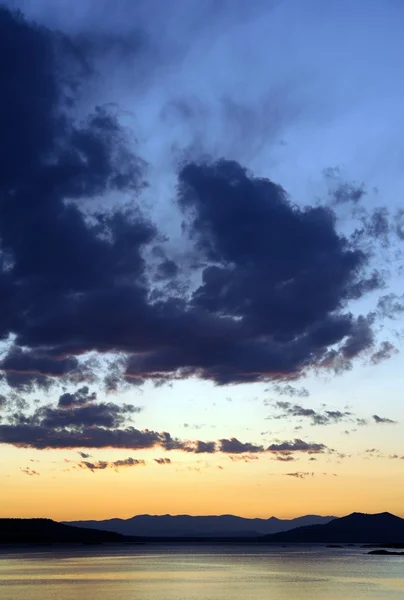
<point>354,528</point>
<point>205,526</point>
<point>46,531</point>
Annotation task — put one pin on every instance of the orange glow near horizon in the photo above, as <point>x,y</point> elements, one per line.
<point>211,485</point>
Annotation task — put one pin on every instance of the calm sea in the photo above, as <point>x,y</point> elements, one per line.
<point>200,573</point>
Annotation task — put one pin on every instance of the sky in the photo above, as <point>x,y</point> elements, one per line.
<point>201,246</point>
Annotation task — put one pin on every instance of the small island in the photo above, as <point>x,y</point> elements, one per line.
<point>386,553</point>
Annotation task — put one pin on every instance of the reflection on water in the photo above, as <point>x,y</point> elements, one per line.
<point>200,573</point>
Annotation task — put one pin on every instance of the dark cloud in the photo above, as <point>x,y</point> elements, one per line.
<point>202,447</point>
<point>15,402</point>
<point>385,351</point>
<point>381,420</point>
<point>391,306</point>
<point>167,270</point>
<point>373,223</point>
<point>73,416</point>
<point>101,465</point>
<point>328,417</point>
<point>78,421</point>
<point>162,461</point>
<point>42,437</point>
<point>289,390</point>
<point>399,224</point>
<point>81,397</point>
<point>57,261</point>
<point>78,275</point>
<point>361,338</point>
<point>84,455</point>
<point>377,225</point>
<point>283,272</point>
<point>24,369</point>
<point>107,425</point>
<point>193,447</point>
<point>114,380</point>
<point>128,462</point>
<point>297,446</point>
<point>334,416</point>
<point>234,446</point>
<point>116,464</point>
<point>342,192</point>
<point>262,283</point>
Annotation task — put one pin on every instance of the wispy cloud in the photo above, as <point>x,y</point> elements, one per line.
<point>297,445</point>
<point>305,474</point>
<point>29,471</point>
<point>300,474</point>
<point>289,390</point>
<point>84,454</point>
<point>328,417</point>
<point>383,420</point>
<point>243,457</point>
<point>386,351</point>
<point>116,464</point>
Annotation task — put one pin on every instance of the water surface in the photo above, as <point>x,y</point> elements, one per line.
<point>216,572</point>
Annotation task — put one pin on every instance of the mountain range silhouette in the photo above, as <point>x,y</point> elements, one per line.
<point>200,526</point>
<point>356,527</point>
<point>46,531</point>
<point>382,529</point>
